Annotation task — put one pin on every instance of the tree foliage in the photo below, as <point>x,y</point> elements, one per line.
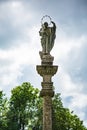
<point>3,111</point>
<point>63,118</point>
<point>23,106</point>
<point>24,111</point>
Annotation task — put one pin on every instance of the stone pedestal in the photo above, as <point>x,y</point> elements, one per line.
<point>47,70</point>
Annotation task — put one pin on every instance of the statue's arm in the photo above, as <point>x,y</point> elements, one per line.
<point>54,25</point>
<point>40,32</point>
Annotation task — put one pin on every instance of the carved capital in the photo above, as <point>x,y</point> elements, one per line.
<point>46,70</point>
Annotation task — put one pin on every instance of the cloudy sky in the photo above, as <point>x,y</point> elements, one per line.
<point>20,22</point>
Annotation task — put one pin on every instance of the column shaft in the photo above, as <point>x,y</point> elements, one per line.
<point>47,113</point>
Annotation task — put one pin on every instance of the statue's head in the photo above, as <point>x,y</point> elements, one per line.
<point>46,24</point>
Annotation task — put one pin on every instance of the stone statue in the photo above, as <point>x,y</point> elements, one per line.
<point>48,35</point>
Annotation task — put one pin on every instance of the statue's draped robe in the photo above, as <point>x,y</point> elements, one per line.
<point>47,39</point>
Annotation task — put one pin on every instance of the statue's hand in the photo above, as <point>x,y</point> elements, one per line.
<point>52,22</point>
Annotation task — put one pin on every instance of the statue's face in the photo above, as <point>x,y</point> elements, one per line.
<point>46,24</point>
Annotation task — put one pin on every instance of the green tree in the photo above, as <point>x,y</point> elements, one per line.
<point>3,111</point>
<point>63,118</point>
<point>23,111</point>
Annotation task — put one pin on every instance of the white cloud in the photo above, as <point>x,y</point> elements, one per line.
<point>77,100</point>
<point>15,18</point>
<point>64,44</point>
<point>16,57</point>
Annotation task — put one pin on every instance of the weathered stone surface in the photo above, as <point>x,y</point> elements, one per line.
<point>47,85</point>
<point>47,92</point>
<point>46,70</point>
<point>48,35</point>
<point>47,113</point>
<point>46,59</point>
